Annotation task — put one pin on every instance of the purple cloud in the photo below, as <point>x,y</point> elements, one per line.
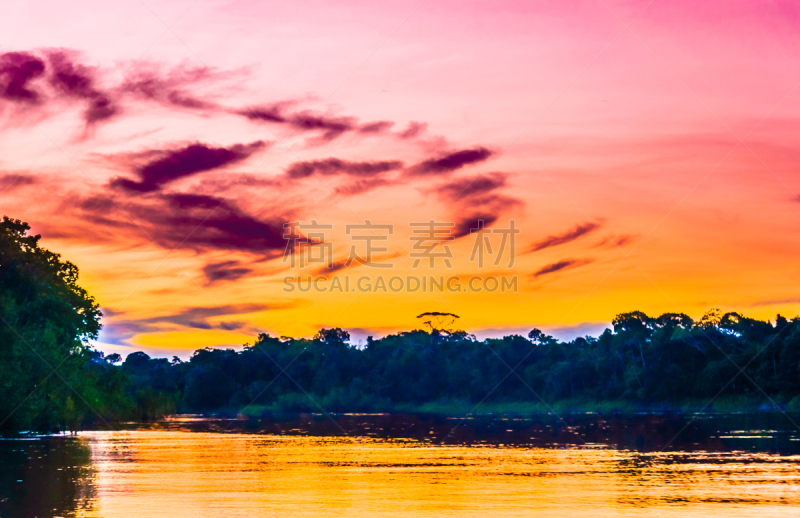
<point>333,166</point>
<point>185,162</point>
<point>569,236</point>
<point>224,271</point>
<point>451,162</point>
<point>413,129</point>
<point>376,127</point>
<point>478,185</point>
<point>150,83</point>
<point>17,70</point>
<point>77,81</point>
<point>465,226</point>
<point>331,127</point>
<point>11,182</point>
<point>474,199</point>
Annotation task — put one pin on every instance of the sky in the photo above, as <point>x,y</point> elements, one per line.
<point>645,152</point>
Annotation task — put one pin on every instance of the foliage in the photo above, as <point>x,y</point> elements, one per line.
<point>669,361</point>
<point>48,372</point>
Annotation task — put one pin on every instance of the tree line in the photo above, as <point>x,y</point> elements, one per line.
<point>52,379</point>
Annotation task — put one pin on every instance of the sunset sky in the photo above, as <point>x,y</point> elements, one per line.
<point>647,151</point>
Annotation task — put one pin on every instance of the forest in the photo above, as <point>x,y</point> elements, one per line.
<point>52,379</point>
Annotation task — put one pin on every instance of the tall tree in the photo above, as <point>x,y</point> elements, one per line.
<point>46,320</point>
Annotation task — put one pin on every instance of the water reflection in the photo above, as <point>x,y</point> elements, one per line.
<point>187,467</point>
<point>49,476</point>
<point>163,473</point>
<point>767,432</point>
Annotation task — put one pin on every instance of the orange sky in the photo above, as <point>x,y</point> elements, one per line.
<point>646,151</point>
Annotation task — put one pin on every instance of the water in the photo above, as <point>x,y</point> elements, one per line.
<point>301,468</point>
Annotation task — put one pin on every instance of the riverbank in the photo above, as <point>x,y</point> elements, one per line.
<point>455,408</point>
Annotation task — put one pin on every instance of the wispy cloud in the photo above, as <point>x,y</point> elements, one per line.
<point>450,162</point>
<point>563,264</point>
<point>566,237</point>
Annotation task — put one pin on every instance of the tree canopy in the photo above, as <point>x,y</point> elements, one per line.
<point>46,321</point>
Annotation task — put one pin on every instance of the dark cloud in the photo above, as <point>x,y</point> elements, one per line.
<point>11,182</point>
<point>176,87</point>
<point>333,166</point>
<point>17,71</point>
<point>449,163</point>
<point>474,199</point>
<point>271,113</point>
<point>78,81</point>
<point>330,127</point>
<point>198,318</point>
<point>178,98</point>
<point>464,227</point>
<point>198,222</point>
<point>363,176</point>
<point>225,271</point>
<point>184,162</point>
<point>413,129</point>
<point>119,330</point>
<point>568,236</point>
<point>206,222</point>
<point>475,186</point>
<point>376,127</point>
<point>564,264</point>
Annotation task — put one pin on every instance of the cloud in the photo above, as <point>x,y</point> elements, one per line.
<point>775,302</point>
<point>69,79</point>
<point>615,241</point>
<point>330,127</point>
<point>474,199</point>
<point>119,331</point>
<point>473,186</point>
<point>224,227</point>
<point>198,317</point>
<point>224,271</point>
<point>568,236</point>
<point>376,127</point>
<point>464,226</point>
<point>270,113</point>
<point>564,264</point>
<point>414,129</point>
<point>181,163</point>
<point>78,81</point>
<point>449,163</point>
<point>361,186</point>
<point>333,166</point>
<point>11,182</point>
<point>198,222</point>
<point>149,82</point>
<point>17,70</point>
<point>365,175</point>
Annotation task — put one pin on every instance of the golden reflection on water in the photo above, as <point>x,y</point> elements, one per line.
<point>154,473</point>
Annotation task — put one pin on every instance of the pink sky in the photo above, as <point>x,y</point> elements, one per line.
<point>659,140</point>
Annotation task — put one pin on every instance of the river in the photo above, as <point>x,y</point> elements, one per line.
<point>316,466</point>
